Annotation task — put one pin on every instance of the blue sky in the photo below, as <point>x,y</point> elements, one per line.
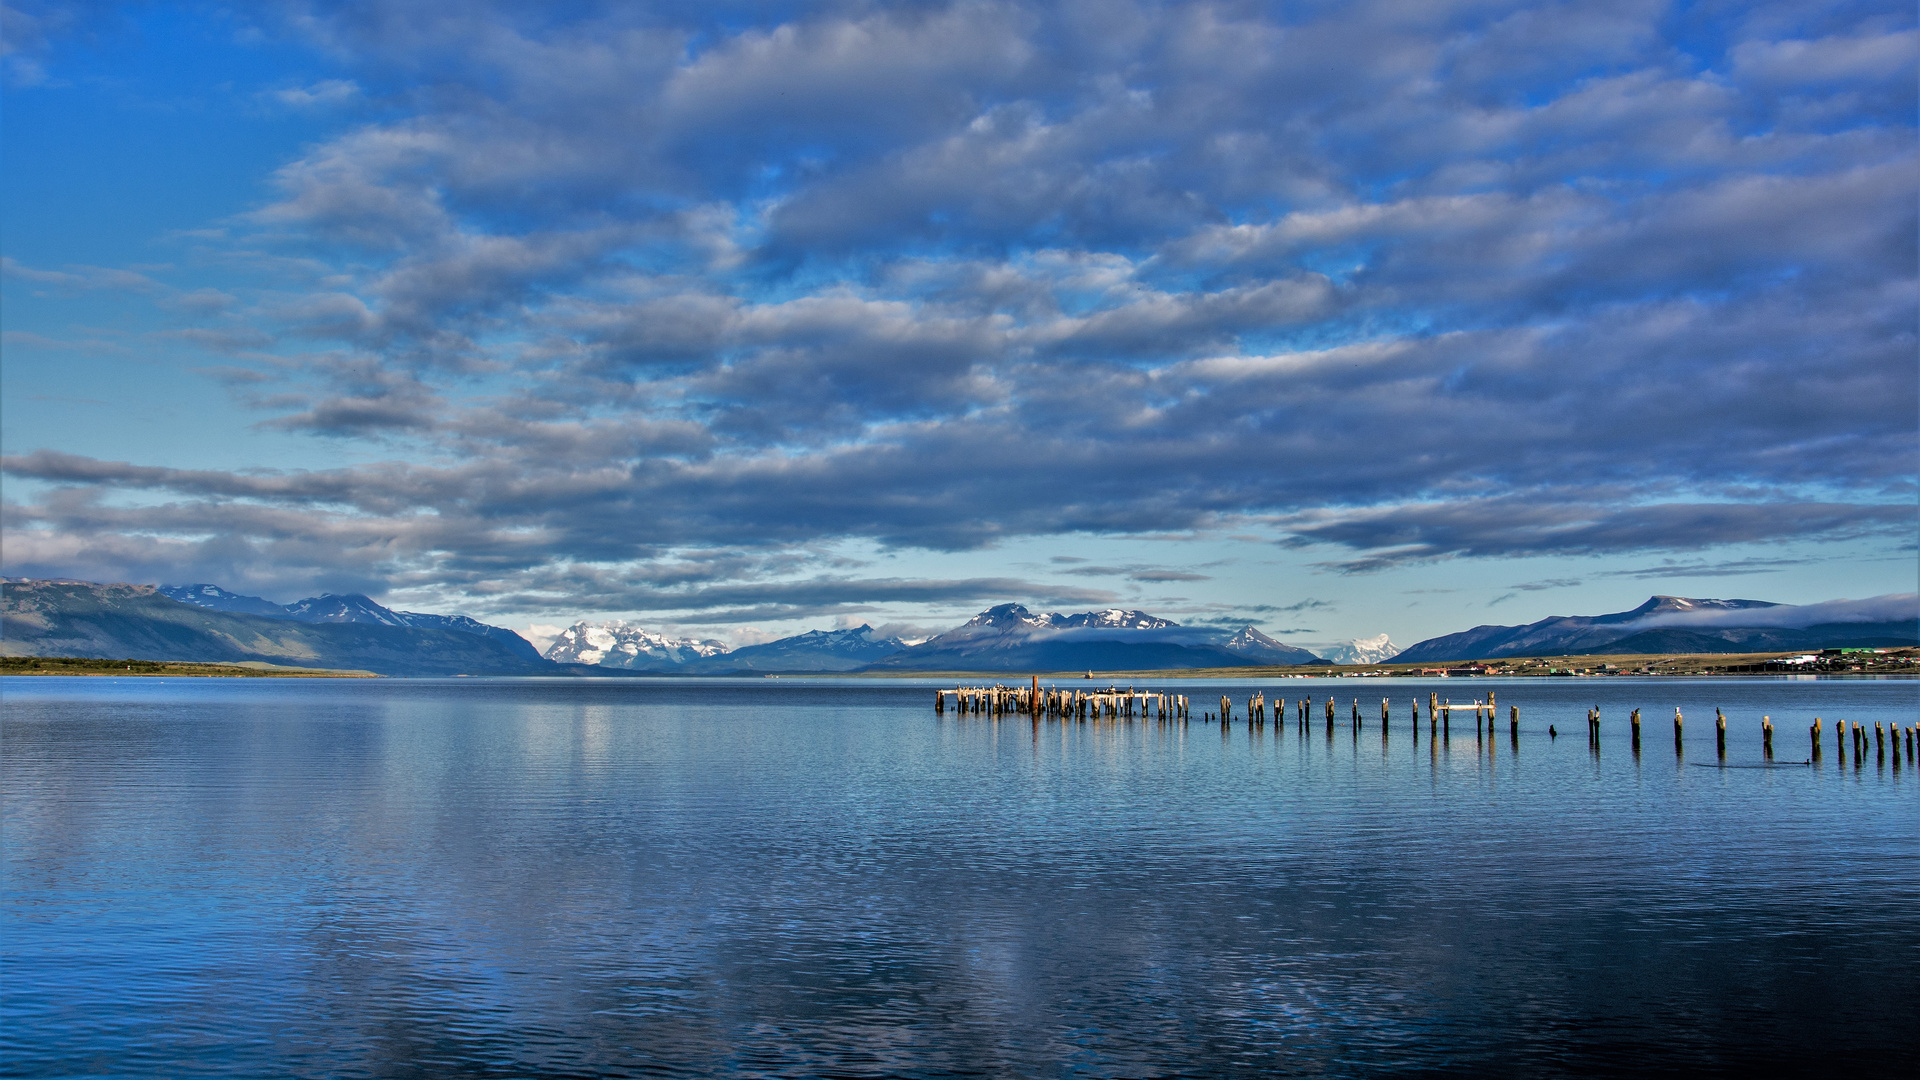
<point>741,319</point>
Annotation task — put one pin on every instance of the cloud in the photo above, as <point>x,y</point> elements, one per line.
<point>602,287</point>
<point>327,93</point>
<point>1515,525</point>
<point>80,278</point>
<point>1704,568</point>
<point>1893,607</point>
<point>1152,574</point>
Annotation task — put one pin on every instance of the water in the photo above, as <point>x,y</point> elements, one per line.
<point>553,878</point>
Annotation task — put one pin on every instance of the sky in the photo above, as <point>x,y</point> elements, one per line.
<point>737,320</point>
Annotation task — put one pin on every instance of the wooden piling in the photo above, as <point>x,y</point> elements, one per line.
<point>1636,730</point>
<point>1720,734</point>
<point>1513,721</point>
<point>1678,749</point>
<point>1766,737</point>
<point>1814,731</point>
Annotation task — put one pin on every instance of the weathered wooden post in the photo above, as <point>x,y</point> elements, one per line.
<point>1329,714</point>
<point>1356,716</point>
<point>1720,734</point>
<point>1879,746</point>
<point>1636,730</point>
<point>1678,750</point>
<point>1766,737</point>
<point>1814,732</point>
<point>1513,725</point>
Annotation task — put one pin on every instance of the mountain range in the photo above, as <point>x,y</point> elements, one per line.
<point>345,608</point>
<point>139,622</point>
<point>1011,638</point>
<point>208,623</point>
<point>1003,638</point>
<point>1679,624</point>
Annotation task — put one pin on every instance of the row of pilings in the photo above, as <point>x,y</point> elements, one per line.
<point>1113,703</point>
<point>1053,703</point>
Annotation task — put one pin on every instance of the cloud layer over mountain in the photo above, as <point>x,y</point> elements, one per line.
<point>643,307</point>
<point>1894,607</point>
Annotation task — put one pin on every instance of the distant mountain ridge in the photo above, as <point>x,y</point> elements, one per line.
<point>1008,637</point>
<point>115,621</point>
<point>1004,637</point>
<point>816,650</point>
<point>344,608</point>
<point>1664,624</point>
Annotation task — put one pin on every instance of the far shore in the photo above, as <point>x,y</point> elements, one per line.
<point>1904,661</point>
<point>246,669</point>
<point>1887,662</point>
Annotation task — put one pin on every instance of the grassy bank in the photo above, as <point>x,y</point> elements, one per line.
<point>80,665</point>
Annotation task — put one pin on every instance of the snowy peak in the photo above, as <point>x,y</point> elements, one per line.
<point>1260,648</point>
<point>1672,605</point>
<point>621,644</point>
<point>1250,639</point>
<point>1015,617</point>
<point>348,608</point>
<point>219,599</point>
<point>1684,603</point>
<point>1377,649</point>
<point>1114,619</point>
<point>1007,617</point>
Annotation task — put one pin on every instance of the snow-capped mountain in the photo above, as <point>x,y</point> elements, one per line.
<point>1369,650</point>
<point>621,644</point>
<point>219,599</point>
<point>1262,649</point>
<point>1112,619</point>
<point>1008,637</point>
<point>351,607</point>
<point>1003,619</point>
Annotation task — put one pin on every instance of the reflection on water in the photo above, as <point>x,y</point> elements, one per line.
<point>477,878</point>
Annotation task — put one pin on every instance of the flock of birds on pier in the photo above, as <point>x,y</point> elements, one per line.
<point>1113,704</point>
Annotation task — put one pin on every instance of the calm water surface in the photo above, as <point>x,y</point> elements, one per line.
<point>564,878</point>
